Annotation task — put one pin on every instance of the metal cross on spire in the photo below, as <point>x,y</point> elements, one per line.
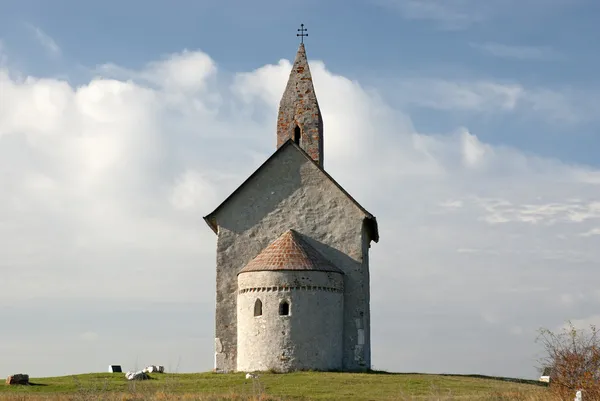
<point>302,33</point>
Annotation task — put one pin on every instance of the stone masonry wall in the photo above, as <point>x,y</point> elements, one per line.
<point>310,337</point>
<point>292,193</point>
<point>299,107</point>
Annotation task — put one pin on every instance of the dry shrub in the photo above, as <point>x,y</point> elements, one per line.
<point>573,357</point>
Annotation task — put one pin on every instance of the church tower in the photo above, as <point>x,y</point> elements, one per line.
<point>299,114</point>
<point>292,266</point>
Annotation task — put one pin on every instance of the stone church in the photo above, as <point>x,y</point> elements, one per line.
<point>293,255</point>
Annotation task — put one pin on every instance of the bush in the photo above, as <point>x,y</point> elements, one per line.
<point>573,359</point>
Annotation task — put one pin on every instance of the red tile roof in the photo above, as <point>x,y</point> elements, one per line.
<point>290,252</point>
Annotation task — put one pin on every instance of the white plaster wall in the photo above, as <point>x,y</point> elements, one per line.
<point>310,337</point>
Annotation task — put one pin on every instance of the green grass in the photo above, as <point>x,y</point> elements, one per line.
<point>301,385</point>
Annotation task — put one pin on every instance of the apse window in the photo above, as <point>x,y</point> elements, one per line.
<point>284,308</point>
<point>258,308</point>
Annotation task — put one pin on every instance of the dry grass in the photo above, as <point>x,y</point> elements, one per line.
<point>162,396</point>
<point>271,387</point>
<point>159,396</point>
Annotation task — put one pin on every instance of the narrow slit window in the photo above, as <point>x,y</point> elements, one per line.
<point>258,308</point>
<point>284,308</point>
<point>297,135</point>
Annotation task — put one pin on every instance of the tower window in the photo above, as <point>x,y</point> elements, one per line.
<point>284,308</point>
<point>258,308</point>
<point>297,135</point>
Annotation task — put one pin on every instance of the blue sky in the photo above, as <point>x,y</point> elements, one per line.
<point>541,45</point>
<point>469,128</point>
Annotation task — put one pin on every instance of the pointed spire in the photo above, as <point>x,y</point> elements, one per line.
<point>290,252</point>
<point>299,114</point>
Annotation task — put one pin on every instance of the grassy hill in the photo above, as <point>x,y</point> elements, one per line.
<point>293,386</point>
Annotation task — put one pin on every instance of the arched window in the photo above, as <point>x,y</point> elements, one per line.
<point>258,308</point>
<point>284,308</point>
<point>297,135</point>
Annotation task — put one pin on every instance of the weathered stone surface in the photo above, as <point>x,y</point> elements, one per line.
<point>310,336</point>
<point>154,369</point>
<point>299,108</point>
<point>291,192</point>
<point>140,375</point>
<point>19,378</point>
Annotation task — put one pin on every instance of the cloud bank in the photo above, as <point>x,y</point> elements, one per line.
<point>105,185</point>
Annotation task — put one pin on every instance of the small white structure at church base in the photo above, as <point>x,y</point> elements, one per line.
<point>115,369</point>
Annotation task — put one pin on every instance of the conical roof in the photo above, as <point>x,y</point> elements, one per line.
<point>290,252</point>
<point>299,108</point>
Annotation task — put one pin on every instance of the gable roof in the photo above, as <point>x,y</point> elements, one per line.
<point>370,219</point>
<point>290,252</point>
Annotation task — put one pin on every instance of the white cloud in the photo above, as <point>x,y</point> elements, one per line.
<point>106,184</point>
<point>89,336</point>
<point>490,97</point>
<point>451,204</point>
<point>464,14</point>
<point>571,298</point>
<point>516,52</point>
<point>584,323</point>
<point>45,40</point>
<point>449,14</point>
<point>455,95</point>
<point>187,71</point>
<point>502,211</point>
<point>3,57</point>
<point>516,330</point>
<point>473,151</point>
<point>590,177</point>
<point>592,232</point>
<point>193,192</point>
